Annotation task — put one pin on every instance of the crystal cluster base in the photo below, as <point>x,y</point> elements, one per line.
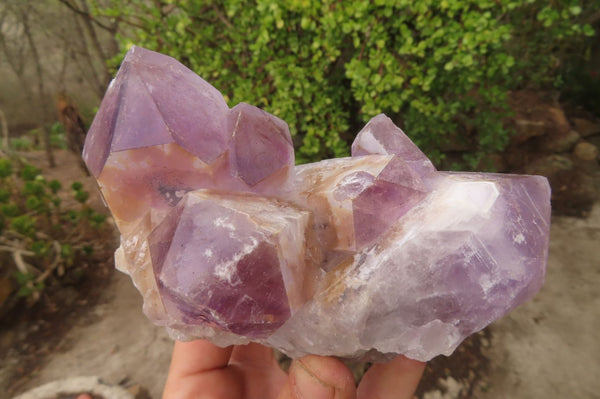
<point>362,257</point>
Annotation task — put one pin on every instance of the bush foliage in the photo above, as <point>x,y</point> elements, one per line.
<point>42,242</point>
<point>440,68</point>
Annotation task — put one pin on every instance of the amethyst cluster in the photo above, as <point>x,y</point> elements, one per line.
<point>360,257</point>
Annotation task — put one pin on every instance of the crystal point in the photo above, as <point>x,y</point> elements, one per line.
<point>381,136</point>
<point>233,261</point>
<point>194,111</point>
<point>362,257</point>
<point>261,144</point>
<point>357,199</point>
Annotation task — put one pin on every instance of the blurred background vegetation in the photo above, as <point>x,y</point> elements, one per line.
<point>442,69</point>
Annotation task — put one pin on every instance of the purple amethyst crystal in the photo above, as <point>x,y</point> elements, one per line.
<point>162,131</point>
<point>261,144</point>
<point>240,275</point>
<point>349,188</point>
<point>152,101</point>
<point>381,136</point>
<point>360,257</point>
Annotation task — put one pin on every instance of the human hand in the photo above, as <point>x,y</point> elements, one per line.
<point>200,369</point>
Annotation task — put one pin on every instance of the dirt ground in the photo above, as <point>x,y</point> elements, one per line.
<point>115,342</point>
<point>547,348</point>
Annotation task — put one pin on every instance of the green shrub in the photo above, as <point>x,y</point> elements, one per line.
<point>58,137</point>
<point>29,172</point>
<point>40,241</point>
<point>34,139</point>
<point>21,144</point>
<point>440,68</point>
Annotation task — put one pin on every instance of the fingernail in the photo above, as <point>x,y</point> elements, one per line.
<point>306,385</point>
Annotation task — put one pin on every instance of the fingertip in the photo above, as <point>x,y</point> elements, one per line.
<point>195,365</point>
<point>198,356</point>
<point>397,379</point>
<point>252,353</point>
<point>321,377</point>
<point>403,363</point>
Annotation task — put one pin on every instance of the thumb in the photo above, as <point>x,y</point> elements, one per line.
<point>319,377</point>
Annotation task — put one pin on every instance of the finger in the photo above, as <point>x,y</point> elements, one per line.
<point>252,354</point>
<point>256,364</point>
<point>200,367</point>
<point>198,356</point>
<point>318,377</point>
<point>397,379</point>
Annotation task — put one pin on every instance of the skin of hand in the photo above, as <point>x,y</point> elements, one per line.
<point>201,370</point>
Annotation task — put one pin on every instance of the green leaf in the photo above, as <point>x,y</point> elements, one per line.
<point>24,292</point>
<point>9,210</point>
<point>33,203</point>
<point>23,278</point>
<point>88,250</point>
<point>575,10</point>
<point>588,30</point>
<point>54,185</point>
<point>40,248</point>
<point>29,172</point>
<point>97,219</point>
<point>82,196</point>
<point>24,225</point>
<point>34,188</point>
<point>510,61</point>
<point>4,195</point>
<point>5,168</point>
<point>66,251</point>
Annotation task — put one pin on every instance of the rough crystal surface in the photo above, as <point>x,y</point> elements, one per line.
<point>361,257</point>
<point>261,145</point>
<point>342,192</point>
<point>162,131</point>
<point>251,266</point>
<point>381,136</point>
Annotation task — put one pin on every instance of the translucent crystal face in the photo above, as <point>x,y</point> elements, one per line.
<point>261,144</point>
<point>162,131</point>
<point>360,257</point>
<point>155,101</point>
<point>381,136</point>
<point>241,268</point>
<point>355,200</point>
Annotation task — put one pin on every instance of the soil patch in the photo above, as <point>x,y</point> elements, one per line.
<point>29,336</point>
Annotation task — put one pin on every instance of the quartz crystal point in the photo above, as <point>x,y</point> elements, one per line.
<point>363,257</point>
<point>255,261</point>
<point>162,131</point>
<point>341,193</point>
<point>381,136</point>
